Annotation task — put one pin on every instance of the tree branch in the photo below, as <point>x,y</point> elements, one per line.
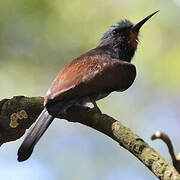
<point>17,115</point>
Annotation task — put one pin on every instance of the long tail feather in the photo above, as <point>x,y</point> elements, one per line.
<point>34,134</point>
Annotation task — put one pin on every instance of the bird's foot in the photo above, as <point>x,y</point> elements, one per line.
<point>96,108</point>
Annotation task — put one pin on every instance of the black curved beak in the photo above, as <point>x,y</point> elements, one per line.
<point>137,26</point>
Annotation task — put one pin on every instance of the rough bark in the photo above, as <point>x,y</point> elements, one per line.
<point>18,114</point>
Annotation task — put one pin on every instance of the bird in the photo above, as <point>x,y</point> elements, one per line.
<point>89,78</point>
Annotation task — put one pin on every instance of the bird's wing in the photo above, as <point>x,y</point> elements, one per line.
<point>89,75</point>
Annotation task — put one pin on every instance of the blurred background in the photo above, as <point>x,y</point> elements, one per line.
<point>39,37</point>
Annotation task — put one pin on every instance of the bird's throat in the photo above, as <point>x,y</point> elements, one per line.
<point>123,53</point>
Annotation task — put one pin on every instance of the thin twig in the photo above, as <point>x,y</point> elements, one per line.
<point>165,138</point>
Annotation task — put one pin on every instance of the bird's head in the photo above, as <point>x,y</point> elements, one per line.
<point>122,38</point>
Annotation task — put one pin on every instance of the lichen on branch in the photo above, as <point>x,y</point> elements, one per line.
<point>19,113</point>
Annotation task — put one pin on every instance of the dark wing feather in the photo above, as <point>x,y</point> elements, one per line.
<point>89,75</point>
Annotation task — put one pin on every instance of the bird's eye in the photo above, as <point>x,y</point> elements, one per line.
<point>114,31</point>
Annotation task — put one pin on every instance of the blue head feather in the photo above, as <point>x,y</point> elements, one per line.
<point>119,25</point>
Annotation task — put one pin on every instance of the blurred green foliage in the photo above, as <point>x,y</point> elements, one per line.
<point>37,38</point>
